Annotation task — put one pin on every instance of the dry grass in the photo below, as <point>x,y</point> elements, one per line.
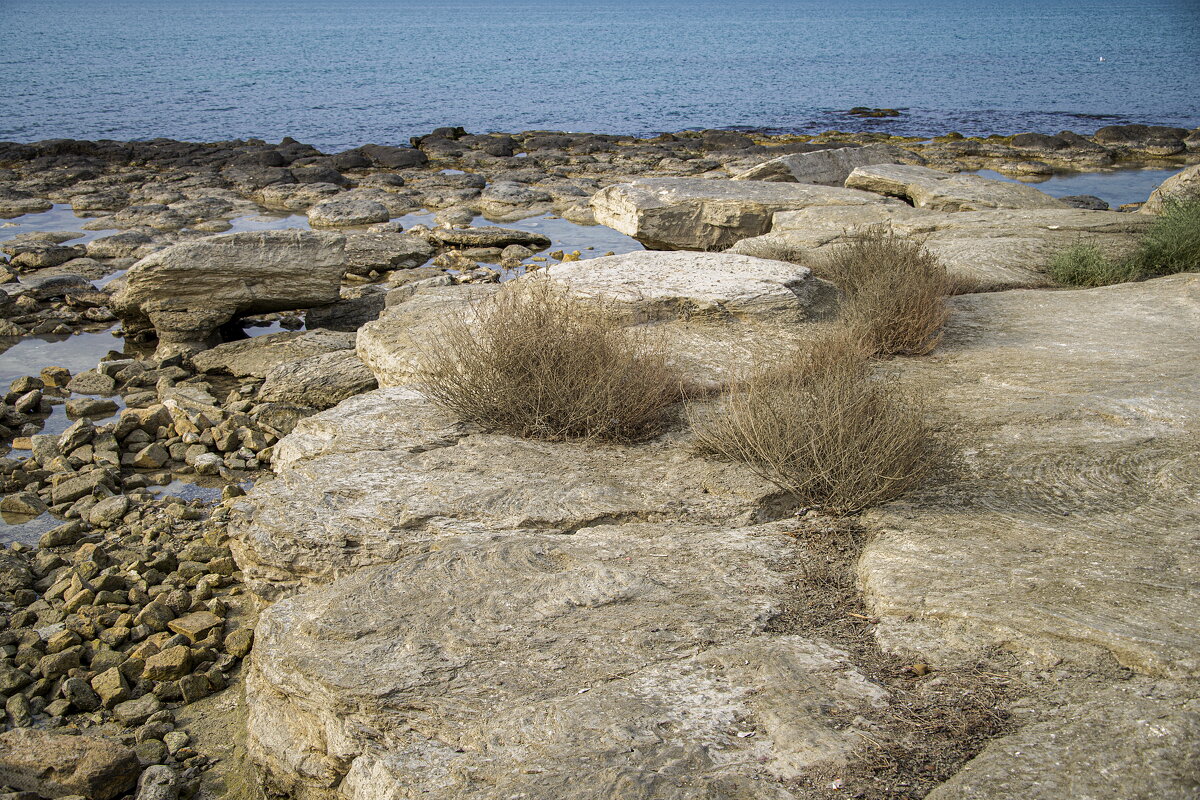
<point>824,428</point>
<point>538,363</point>
<point>894,289</point>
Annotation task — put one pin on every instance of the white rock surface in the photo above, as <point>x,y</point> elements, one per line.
<point>826,167</point>
<point>944,191</point>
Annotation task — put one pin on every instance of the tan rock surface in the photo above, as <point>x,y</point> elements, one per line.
<point>945,191</point>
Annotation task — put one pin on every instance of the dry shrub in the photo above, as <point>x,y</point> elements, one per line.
<point>824,428</point>
<point>894,289</point>
<point>535,362</point>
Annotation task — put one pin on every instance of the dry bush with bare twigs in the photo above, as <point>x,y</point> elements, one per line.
<point>894,289</point>
<point>824,428</point>
<point>535,362</point>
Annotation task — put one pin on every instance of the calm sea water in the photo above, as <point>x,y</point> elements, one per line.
<point>338,74</point>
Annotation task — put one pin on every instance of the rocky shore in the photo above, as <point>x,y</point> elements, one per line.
<point>375,600</point>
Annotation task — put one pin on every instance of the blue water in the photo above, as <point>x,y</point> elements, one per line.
<point>338,74</point>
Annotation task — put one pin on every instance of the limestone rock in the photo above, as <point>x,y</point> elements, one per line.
<point>1127,742</point>
<point>485,669</point>
<point>1180,185</point>
<point>827,167</point>
<point>55,764</point>
<point>488,236</point>
<point>259,355</point>
<point>188,290</point>
<point>326,515</point>
<point>700,214</point>
<point>990,250</point>
<point>680,285</point>
<point>320,381</point>
<point>1071,533</point>
<point>383,251</point>
<point>346,211</point>
<point>944,191</point>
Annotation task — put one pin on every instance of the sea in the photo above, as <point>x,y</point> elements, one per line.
<point>340,73</point>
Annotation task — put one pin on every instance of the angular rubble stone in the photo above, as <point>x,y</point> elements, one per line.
<point>1071,532</point>
<point>135,712</point>
<point>487,669</point>
<point>55,764</point>
<point>319,381</point>
<point>188,290</point>
<point>697,286</point>
<point>945,191</point>
<point>1129,741</point>
<point>328,514</point>
<point>258,355</point>
<point>989,250</point>
<point>195,626</point>
<point>700,214</point>
<point>826,167</point>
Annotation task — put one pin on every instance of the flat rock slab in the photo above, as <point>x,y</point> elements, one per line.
<point>998,249</point>
<point>258,355</point>
<point>1072,533</point>
<point>697,286</point>
<point>320,381</point>
<point>700,214</point>
<point>945,191</point>
<point>1128,741</point>
<point>625,661</point>
<point>327,515</point>
<point>827,167</point>
<point>55,764</point>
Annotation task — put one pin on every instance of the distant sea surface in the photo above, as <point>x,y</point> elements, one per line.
<point>340,73</point>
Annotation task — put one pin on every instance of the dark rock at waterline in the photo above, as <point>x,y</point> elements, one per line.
<point>393,157</point>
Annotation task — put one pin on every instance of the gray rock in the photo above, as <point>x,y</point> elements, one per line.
<point>383,252</point>
<point>118,245</point>
<point>91,407</point>
<point>1185,183</point>
<point>109,510</point>
<point>158,782</point>
<point>699,214</point>
<point>1070,534</point>
<point>92,382</point>
<point>695,702</point>
<point>1086,201</point>
<point>135,712</point>
<point>190,289</point>
<point>319,382</point>
<point>489,236</point>
<point>653,286</point>
<point>358,306</point>
<point>260,354</point>
<point>54,764</point>
<point>944,191</point>
<point>827,167</point>
<point>346,211</point>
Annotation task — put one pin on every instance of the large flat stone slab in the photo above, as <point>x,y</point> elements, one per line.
<point>826,167</point>
<point>258,355</point>
<point>626,661</point>
<point>944,191</point>
<point>700,214</point>
<point>997,249</point>
<point>656,285</point>
<point>1071,533</point>
<point>344,499</point>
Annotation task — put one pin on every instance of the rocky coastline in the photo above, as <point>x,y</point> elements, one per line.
<point>378,601</point>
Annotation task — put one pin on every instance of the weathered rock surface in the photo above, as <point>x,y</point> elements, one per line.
<point>653,285</point>
<point>403,679</point>
<point>384,251</point>
<point>188,290</point>
<point>1183,184</point>
<point>1072,532</point>
<point>326,516</point>
<point>489,236</point>
<point>55,764</point>
<point>990,250</point>
<point>345,211</point>
<point>260,354</point>
<point>827,167</point>
<point>319,382</point>
<point>1133,740</point>
<point>699,214</point>
<point>945,191</point>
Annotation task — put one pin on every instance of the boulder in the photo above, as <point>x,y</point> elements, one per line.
<point>1183,184</point>
<point>486,668</point>
<point>346,211</point>
<point>700,214</point>
<point>651,285</point>
<point>944,191</point>
<point>326,515</point>
<point>489,236</point>
<point>260,354</point>
<point>385,251</point>
<point>988,250</point>
<point>55,764</point>
<point>319,382</point>
<point>188,290</point>
<point>827,167</point>
<point>1070,534</point>
<point>393,157</point>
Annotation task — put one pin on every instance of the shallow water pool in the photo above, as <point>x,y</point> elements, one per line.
<point>1115,187</point>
